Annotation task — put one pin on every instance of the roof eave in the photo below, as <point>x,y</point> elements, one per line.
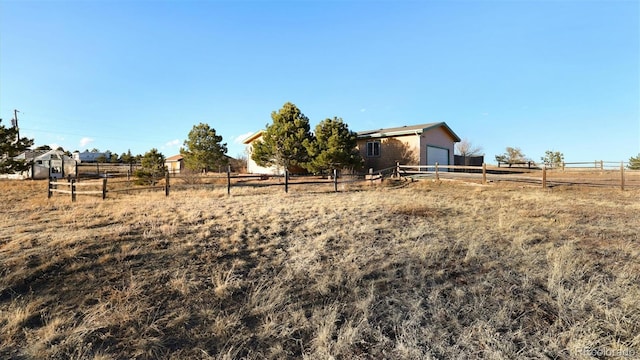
<point>383,134</point>
<point>455,137</point>
<point>253,137</point>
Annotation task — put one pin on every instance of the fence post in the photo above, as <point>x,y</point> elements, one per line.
<point>73,190</point>
<point>601,165</point>
<point>622,175</point>
<point>49,187</point>
<point>484,173</point>
<point>104,188</point>
<point>335,180</point>
<point>286,180</point>
<point>544,176</point>
<point>228,179</point>
<point>166,183</point>
<point>397,174</point>
<point>437,173</point>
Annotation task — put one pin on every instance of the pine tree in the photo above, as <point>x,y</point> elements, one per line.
<point>152,167</point>
<point>204,150</point>
<point>634,163</point>
<point>284,143</point>
<point>334,147</point>
<point>128,158</point>
<point>10,147</point>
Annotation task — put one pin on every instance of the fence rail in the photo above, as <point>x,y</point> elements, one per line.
<point>113,185</point>
<point>597,164</point>
<point>72,184</point>
<point>603,176</point>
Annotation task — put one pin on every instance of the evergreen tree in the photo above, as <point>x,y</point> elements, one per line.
<point>634,163</point>
<point>10,147</point>
<point>128,158</point>
<point>203,150</point>
<point>284,143</point>
<point>152,167</point>
<point>334,147</point>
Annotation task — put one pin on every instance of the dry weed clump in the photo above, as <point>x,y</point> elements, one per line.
<point>428,270</point>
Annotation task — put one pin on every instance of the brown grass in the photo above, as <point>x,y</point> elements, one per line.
<point>428,270</point>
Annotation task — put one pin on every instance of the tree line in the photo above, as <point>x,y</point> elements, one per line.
<point>287,143</point>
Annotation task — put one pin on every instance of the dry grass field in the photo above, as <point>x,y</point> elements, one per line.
<point>430,270</point>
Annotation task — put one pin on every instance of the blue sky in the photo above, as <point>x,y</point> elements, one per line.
<point>119,75</point>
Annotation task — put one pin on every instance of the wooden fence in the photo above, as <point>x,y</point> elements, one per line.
<point>115,185</point>
<point>100,170</point>
<point>603,176</point>
<point>71,187</point>
<point>599,175</point>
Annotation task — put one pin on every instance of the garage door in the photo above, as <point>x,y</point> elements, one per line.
<point>437,155</point>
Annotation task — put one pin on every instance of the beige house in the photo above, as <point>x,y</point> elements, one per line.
<point>424,144</point>
<point>252,167</point>
<point>174,164</point>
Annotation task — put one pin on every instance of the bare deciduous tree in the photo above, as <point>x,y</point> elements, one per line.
<point>466,148</point>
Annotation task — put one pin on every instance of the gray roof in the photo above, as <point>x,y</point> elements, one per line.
<point>31,154</point>
<point>406,130</point>
<point>53,155</point>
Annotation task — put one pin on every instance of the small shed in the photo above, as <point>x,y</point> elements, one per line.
<point>46,164</point>
<point>174,164</point>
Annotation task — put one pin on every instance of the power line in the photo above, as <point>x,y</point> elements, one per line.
<point>138,140</point>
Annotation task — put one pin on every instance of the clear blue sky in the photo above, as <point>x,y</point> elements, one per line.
<point>118,75</point>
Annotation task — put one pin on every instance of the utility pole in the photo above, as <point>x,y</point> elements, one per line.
<point>14,123</point>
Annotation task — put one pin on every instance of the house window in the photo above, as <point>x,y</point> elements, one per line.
<point>373,149</point>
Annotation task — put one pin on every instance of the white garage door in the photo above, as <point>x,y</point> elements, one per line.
<point>437,155</point>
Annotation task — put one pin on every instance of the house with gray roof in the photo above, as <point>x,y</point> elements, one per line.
<point>423,144</point>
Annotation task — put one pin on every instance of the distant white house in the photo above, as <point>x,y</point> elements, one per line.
<point>88,156</point>
<point>45,164</point>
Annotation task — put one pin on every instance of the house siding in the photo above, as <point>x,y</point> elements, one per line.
<point>438,137</point>
<point>404,149</point>
<point>254,168</point>
<point>174,167</point>
<point>406,145</point>
<point>41,163</point>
